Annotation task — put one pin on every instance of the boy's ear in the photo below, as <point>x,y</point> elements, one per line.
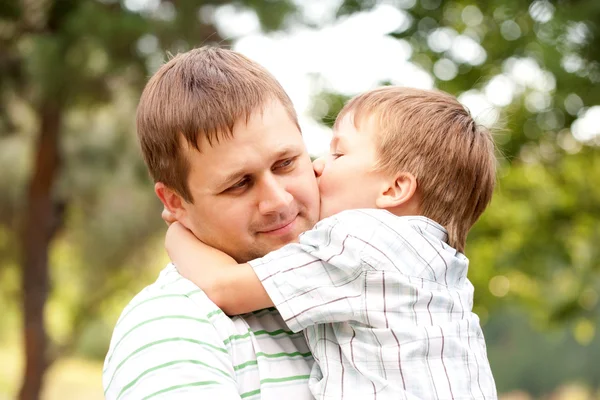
<point>171,200</point>
<point>399,192</point>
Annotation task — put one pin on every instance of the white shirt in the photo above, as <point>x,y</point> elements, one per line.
<point>172,342</point>
<point>386,307</point>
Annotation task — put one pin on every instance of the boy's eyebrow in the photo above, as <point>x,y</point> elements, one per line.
<point>334,141</point>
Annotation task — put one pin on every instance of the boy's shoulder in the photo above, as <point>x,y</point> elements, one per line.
<point>358,217</point>
<point>418,245</point>
<point>370,221</point>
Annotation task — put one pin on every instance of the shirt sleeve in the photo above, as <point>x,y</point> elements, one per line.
<point>168,351</point>
<point>319,280</point>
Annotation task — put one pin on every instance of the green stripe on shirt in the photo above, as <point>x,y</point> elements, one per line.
<point>286,379</point>
<point>176,339</point>
<point>212,313</point>
<point>165,365</point>
<point>201,383</point>
<point>266,355</point>
<point>155,298</point>
<point>274,380</point>
<point>201,320</point>
<point>258,333</point>
<point>251,393</point>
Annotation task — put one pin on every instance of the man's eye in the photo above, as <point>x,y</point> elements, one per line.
<point>285,164</point>
<point>241,184</point>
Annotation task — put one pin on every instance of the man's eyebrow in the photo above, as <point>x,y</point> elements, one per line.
<point>231,178</point>
<point>287,151</point>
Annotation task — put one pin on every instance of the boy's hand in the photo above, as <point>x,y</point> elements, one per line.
<point>193,259</point>
<point>234,288</point>
<point>168,216</point>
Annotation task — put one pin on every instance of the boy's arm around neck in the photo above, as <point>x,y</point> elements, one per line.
<point>233,287</point>
<point>237,290</point>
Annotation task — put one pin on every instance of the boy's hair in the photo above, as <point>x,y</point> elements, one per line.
<point>200,93</point>
<point>432,136</point>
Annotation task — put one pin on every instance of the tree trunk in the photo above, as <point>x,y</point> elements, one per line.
<point>40,223</point>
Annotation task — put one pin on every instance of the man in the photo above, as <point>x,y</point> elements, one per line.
<point>221,140</point>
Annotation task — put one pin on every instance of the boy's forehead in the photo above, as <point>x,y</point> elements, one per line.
<point>344,121</point>
<point>341,125</point>
<point>344,126</point>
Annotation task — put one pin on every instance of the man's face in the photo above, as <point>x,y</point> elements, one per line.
<point>254,192</point>
<point>348,178</point>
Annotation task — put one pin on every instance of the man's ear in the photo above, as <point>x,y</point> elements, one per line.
<point>171,200</point>
<point>398,192</point>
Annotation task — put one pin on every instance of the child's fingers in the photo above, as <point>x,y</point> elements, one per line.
<point>167,216</point>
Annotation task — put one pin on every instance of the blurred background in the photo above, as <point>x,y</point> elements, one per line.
<point>80,227</point>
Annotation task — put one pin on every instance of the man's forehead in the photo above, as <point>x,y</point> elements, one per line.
<point>221,135</point>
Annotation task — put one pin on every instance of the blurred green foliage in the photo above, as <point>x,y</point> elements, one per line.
<point>535,249</point>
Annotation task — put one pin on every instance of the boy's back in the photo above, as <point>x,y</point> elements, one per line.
<point>403,302</point>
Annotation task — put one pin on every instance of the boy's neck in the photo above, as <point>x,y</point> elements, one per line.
<point>411,207</point>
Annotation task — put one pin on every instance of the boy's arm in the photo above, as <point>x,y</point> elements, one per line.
<point>233,287</point>
<point>322,279</point>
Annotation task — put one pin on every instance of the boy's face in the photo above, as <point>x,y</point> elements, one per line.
<point>254,192</point>
<point>347,176</point>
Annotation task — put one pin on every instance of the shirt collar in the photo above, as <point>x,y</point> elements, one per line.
<point>425,224</point>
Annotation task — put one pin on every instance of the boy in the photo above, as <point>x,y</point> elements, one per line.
<point>379,285</point>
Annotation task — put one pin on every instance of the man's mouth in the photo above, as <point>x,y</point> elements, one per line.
<point>281,228</point>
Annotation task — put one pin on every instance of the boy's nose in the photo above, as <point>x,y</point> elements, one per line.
<point>318,166</point>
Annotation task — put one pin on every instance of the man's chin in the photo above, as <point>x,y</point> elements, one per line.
<point>278,242</point>
<point>270,244</point>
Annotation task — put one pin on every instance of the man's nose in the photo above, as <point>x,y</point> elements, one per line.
<point>274,196</point>
<point>318,166</point>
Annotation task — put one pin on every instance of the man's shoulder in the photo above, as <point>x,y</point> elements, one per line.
<point>169,288</point>
<point>169,281</point>
<point>163,307</point>
<point>170,324</point>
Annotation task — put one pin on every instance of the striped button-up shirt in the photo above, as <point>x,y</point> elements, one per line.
<point>172,342</point>
<point>385,305</point>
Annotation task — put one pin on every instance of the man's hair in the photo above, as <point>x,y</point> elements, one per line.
<point>432,136</point>
<point>200,93</point>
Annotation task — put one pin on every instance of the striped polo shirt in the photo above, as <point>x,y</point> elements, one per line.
<point>172,342</point>
<point>386,308</point>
